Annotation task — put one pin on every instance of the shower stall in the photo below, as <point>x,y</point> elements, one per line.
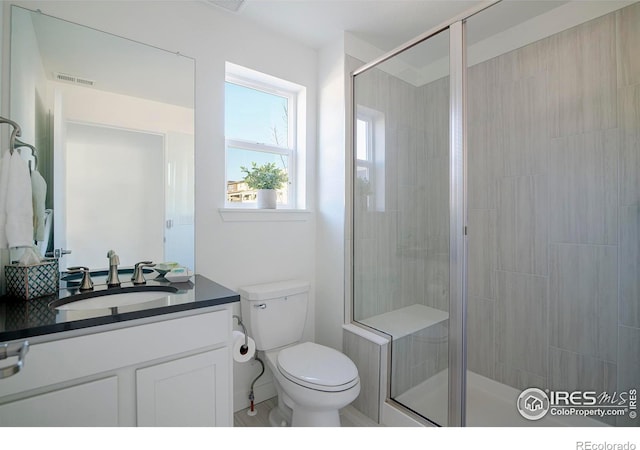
<point>495,215</point>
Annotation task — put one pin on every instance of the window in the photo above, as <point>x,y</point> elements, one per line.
<point>364,148</point>
<point>261,116</point>
<point>370,158</point>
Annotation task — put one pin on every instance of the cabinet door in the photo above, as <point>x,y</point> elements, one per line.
<point>191,391</point>
<point>93,404</point>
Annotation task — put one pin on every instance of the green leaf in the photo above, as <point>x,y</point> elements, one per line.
<point>266,176</point>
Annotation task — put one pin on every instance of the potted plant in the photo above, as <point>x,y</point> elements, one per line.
<point>265,179</point>
<point>363,190</point>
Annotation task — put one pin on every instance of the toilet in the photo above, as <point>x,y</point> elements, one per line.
<point>313,381</point>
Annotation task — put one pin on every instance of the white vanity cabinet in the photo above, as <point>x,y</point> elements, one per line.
<point>175,371</point>
<point>92,404</point>
<point>184,392</point>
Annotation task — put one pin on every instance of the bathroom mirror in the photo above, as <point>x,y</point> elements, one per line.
<point>113,122</point>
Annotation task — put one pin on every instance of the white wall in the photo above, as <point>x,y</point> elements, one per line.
<point>107,208</point>
<point>89,106</point>
<point>330,239</point>
<point>234,254</point>
<point>25,113</point>
<point>27,62</point>
<point>333,237</point>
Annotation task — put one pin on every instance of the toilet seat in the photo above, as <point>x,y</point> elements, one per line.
<point>317,367</point>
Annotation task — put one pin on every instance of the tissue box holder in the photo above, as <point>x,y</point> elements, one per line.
<point>36,280</point>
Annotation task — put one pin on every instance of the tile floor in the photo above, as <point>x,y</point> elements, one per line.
<point>349,416</point>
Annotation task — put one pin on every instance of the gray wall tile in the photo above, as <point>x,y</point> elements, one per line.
<point>482,253</point>
<point>523,127</point>
<point>436,280</point>
<point>583,189</point>
<point>522,224</point>
<point>629,108</point>
<point>483,132</point>
<point>629,367</point>
<point>569,371</point>
<point>628,43</point>
<point>630,167</point>
<point>630,266</point>
<point>521,322</point>
<point>481,336</point>
<point>582,78</point>
<point>366,356</point>
<point>629,355</point>
<point>572,371</point>
<point>583,300</point>
<point>518,378</point>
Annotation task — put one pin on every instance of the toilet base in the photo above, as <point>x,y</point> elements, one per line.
<point>306,418</point>
<point>277,419</point>
<point>302,418</point>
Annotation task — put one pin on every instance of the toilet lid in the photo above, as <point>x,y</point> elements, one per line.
<point>317,367</point>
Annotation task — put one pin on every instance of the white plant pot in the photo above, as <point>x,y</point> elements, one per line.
<point>267,198</point>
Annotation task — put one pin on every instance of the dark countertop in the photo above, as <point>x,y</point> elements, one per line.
<point>20,319</point>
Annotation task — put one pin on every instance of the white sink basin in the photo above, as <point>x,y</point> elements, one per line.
<point>115,300</point>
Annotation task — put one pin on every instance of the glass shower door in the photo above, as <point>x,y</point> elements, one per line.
<point>401,218</point>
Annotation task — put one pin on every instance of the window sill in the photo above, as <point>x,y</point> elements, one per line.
<point>264,215</point>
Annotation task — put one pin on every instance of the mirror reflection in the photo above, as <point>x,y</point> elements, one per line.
<point>113,124</point>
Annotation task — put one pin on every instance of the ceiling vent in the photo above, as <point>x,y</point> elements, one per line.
<point>59,76</point>
<point>228,5</point>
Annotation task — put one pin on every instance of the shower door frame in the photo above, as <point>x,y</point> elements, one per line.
<point>458,252</point>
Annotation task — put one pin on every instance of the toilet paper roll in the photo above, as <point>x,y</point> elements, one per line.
<point>241,354</point>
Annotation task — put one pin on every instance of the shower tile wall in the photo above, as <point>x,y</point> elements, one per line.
<point>554,211</point>
<point>402,246</point>
<point>554,160</point>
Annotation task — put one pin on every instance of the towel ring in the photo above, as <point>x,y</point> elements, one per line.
<point>17,131</point>
<point>19,144</point>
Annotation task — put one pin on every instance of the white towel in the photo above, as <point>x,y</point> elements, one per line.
<point>39,190</point>
<point>18,203</point>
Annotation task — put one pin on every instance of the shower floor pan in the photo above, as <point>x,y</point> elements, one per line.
<point>489,404</point>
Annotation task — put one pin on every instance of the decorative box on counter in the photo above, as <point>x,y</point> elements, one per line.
<point>32,281</point>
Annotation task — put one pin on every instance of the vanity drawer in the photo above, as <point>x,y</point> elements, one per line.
<point>59,361</point>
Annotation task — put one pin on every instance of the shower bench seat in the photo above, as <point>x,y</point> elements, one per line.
<point>408,320</point>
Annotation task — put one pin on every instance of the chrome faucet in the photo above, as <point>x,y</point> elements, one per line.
<point>86,284</point>
<point>138,272</point>
<point>114,260</point>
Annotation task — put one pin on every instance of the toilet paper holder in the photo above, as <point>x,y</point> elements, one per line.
<point>245,348</point>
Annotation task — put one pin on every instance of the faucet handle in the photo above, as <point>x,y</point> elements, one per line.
<point>138,272</point>
<point>86,284</point>
<point>113,257</point>
<point>114,260</point>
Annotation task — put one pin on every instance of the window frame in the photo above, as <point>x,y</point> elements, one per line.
<point>367,163</point>
<point>292,137</point>
<point>375,162</point>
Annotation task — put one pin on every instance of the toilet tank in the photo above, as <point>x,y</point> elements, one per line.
<point>275,313</point>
